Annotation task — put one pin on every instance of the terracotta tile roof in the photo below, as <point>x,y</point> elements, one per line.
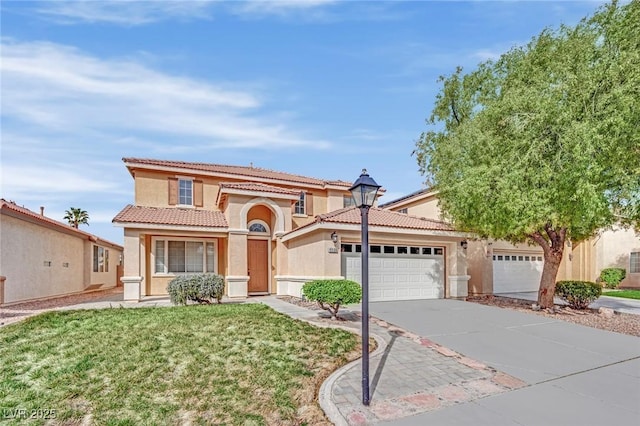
<point>380,217</point>
<point>258,187</point>
<point>171,216</point>
<point>15,210</point>
<point>255,172</point>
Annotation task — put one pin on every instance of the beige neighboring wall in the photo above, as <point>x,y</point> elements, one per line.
<point>423,205</point>
<point>613,249</point>
<point>39,262</point>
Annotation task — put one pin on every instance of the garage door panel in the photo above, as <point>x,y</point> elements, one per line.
<point>515,275</point>
<point>394,277</point>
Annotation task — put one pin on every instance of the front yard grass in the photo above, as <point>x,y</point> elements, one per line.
<point>627,294</point>
<point>224,364</point>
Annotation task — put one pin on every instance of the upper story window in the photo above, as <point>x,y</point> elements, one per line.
<point>185,192</point>
<point>404,211</point>
<point>634,262</point>
<point>300,205</point>
<point>348,201</point>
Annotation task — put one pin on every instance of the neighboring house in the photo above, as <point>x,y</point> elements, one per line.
<point>269,232</point>
<point>501,267</point>
<point>41,257</point>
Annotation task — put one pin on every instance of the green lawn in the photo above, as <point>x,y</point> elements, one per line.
<point>627,294</point>
<point>230,363</point>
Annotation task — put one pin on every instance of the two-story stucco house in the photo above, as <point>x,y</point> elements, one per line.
<point>269,232</point>
<point>497,266</point>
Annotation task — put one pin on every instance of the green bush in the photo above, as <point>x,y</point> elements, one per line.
<point>578,294</point>
<point>611,277</point>
<point>200,288</point>
<point>330,294</point>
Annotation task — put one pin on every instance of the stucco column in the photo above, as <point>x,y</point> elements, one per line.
<point>133,276</point>
<point>282,266</point>
<point>2,280</point>
<point>237,277</point>
<point>132,286</point>
<point>458,279</point>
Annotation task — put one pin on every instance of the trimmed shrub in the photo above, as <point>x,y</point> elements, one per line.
<point>200,288</point>
<point>330,294</point>
<point>578,294</point>
<point>611,277</point>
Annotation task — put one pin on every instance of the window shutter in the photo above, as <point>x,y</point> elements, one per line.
<point>293,207</point>
<point>197,193</point>
<point>309,204</point>
<point>173,191</point>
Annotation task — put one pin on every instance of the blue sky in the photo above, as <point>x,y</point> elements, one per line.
<point>319,88</point>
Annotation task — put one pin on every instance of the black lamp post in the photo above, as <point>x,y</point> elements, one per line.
<point>364,191</point>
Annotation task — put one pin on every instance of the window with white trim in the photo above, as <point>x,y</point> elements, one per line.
<point>634,262</point>
<point>100,259</point>
<point>184,256</point>
<point>185,192</point>
<point>300,204</point>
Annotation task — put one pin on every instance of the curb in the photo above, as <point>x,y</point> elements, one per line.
<point>324,394</point>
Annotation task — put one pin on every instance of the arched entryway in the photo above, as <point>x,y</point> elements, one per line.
<point>258,257</point>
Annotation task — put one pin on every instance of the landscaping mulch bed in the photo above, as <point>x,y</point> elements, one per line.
<point>618,322</point>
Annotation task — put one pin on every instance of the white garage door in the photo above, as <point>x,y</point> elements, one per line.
<point>516,272</point>
<point>398,272</point>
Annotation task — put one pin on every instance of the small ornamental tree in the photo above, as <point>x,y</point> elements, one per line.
<point>200,288</point>
<point>611,277</point>
<point>330,294</point>
<point>578,294</point>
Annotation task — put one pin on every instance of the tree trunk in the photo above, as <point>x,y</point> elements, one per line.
<point>553,247</point>
<point>548,280</point>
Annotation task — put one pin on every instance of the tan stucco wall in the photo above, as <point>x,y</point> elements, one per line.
<point>152,189</point>
<point>24,249</point>
<point>613,248</point>
<point>425,207</point>
<point>106,279</point>
<point>262,213</point>
<point>309,256</point>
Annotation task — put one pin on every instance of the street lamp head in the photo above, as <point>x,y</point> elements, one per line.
<point>364,190</point>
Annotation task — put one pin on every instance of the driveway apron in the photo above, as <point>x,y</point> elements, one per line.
<point>576,374</point>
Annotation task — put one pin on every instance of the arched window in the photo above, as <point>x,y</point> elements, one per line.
<point>258,227</point>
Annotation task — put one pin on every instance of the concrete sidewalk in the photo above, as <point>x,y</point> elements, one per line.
<point>575,375</point>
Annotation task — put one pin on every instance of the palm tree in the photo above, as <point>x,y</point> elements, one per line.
<point>76,216</point>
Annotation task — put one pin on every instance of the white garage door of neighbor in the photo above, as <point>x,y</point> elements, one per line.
<point>516,272</point>
<point>399,275</point>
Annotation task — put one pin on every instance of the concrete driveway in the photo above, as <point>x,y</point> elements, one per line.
<point>576,374</point>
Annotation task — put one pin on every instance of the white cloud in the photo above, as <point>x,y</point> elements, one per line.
<point>278,7</point>
<point>36,182</point>
<point>123,12</point>
<point>62,89</point>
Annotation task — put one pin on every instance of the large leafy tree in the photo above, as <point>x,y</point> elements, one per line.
<point>76,216</point>
<point>543,145</point>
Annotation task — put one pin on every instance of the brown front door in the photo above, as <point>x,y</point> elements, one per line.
<point>258,265</point>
